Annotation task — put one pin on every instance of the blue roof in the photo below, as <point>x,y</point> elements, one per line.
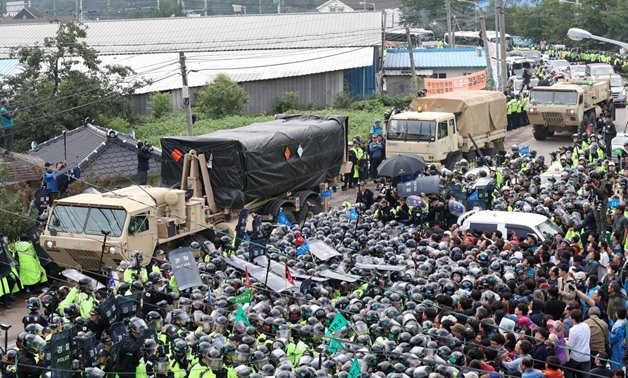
<point>8,67</point>
<point>399,59</point>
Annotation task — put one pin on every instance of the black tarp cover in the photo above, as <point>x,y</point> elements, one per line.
<point>250,162</point>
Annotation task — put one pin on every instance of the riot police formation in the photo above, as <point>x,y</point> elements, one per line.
<point>387,287</point>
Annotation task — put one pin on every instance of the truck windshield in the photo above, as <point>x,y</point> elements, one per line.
<point>406,129</point>
<point>554,97</point>
<point>87,220</point>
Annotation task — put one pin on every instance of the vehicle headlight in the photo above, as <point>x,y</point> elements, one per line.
<point>533,110</point>
<point>50,244</point>
<point>570,112</point>
<point>112,250</point>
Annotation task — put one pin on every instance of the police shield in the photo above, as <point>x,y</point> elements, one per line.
<point>424,184</point>
<point>109,308</point>
<point>184,268</point>
<point>415,201</point>
<point>128,306</point>
<point>118,331</point>
<point>6,261</point>
<point>58,354</point>
<point>90,351</point>
<point>456,208</point>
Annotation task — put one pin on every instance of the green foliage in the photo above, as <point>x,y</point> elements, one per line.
<point>161,104</point>
<point>53,95</point>
<point>369,105</point>
<point>289,101</point>
<point>342,101</point>
<point>222,98</point>
<point>15,204</point>
<point>392,101</point>
<point>118,124</point>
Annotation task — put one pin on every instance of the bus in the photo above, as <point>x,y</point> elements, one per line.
<point>473,38</point>
<point>420,37</point>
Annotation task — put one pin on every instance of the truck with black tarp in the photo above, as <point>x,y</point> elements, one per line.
<point>206,181</point>
<point>442,128</point>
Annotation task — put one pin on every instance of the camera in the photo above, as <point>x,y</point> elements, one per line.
<point>148,147</point>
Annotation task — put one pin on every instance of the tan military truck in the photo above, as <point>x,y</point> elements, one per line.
<point>440,128</point>
<point>568,106</point>
<point>264,167</point>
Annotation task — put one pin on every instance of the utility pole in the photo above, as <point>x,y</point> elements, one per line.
<point>502,43</point>
<point>449,29</point>
<point>205,13</point>
<point>80,11</point>
<point>497,52</point>
<point>489,68</point>
<point>108,7</point>
<point>185,93</point>
<point>412,67</point>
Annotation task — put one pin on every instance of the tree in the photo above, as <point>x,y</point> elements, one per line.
<point>62,81</point>
<point>221,98</point>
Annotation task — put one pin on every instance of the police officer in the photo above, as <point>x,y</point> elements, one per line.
<point>31,271</point>
<point>34,317</point>
<point>27,356</point>
<point>136,272</point>
<point>156,294</point>
<point>179,365</point>
<point>130,347</point>
<point>9,364</point>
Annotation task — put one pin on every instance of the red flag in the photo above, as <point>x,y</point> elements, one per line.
<point>289,276</point>
<point>247,280</point>
<point>299,240</point>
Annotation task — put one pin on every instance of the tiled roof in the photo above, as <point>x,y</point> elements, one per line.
<point>219,33</point>
<point>95,152</point>
<point>22,168</point>
<point>398,59</point>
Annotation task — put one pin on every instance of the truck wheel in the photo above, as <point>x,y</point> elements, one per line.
<point>540,133</point>
<point>452,157</point>
<point>306,213</point>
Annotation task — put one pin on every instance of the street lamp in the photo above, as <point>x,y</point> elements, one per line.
<point>364,4</point>
<point>239,9</point>
<point>580,34</point>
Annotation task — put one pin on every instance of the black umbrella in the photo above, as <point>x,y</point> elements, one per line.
<point>401,165</point>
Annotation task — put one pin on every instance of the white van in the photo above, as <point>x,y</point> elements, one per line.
<point>521,224</point>
<point>599,70</point>
<point>618,87</point>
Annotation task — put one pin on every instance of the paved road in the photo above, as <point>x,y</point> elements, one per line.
<point>521,137</point>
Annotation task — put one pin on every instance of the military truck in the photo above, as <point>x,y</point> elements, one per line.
<point>264,167</point>
<point>569,106</point>
<point>440,127</point>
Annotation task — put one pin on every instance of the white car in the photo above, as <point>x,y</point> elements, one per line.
<point>618,87</point>
<point>520,224</point>
<point>559,65</point>
<point>577,71</point>
<point>599,70</point>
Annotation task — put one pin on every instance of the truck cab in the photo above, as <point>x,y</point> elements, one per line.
<point>429,134</point>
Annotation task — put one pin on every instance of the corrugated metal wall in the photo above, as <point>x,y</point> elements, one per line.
<point>360,81</point>
<point>318,89</point>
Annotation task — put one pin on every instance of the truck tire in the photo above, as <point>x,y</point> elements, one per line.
<point>306,213</point>
<point>540,132</point>
<point>452,158</point>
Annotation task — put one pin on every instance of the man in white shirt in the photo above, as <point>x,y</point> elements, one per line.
<point>580,355</point>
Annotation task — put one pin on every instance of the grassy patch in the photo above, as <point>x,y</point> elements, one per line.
<point>151,130</point>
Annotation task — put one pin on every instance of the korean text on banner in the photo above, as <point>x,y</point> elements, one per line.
<point>463,83</point>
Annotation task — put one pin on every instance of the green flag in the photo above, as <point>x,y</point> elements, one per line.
<point>242,298</point>
<point>334,345</point>
<point>355,370</point>
<point>338,322</point>
<point>241,315</point>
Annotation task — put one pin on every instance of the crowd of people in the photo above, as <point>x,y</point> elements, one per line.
<point>413,294</point>
<point>460,302</point>
<point>618,61</point>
